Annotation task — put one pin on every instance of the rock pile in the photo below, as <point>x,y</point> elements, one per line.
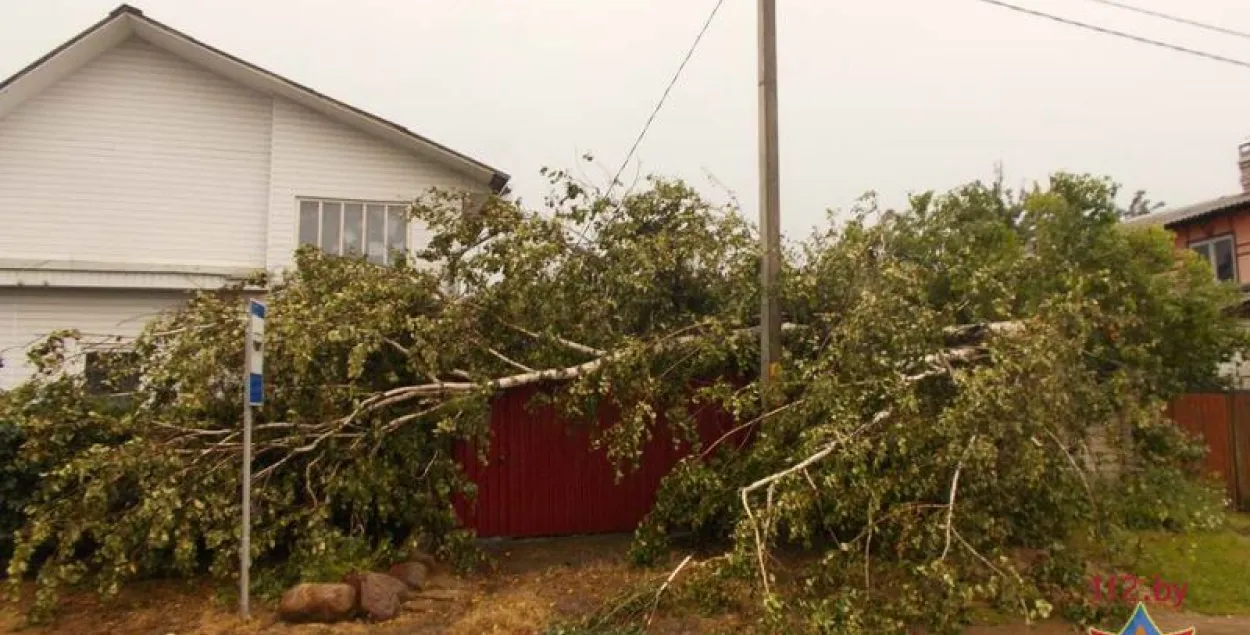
<point>318,603</point>
<point>376,597</point>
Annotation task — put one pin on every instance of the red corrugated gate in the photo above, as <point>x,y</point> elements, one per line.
<point>543,479</point>
<point>1222,421</point>
<point>1208,416</point>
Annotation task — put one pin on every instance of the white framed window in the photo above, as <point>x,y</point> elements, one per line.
<point>371,229</point>
<point>104,369</point>
<point>1221,252</point>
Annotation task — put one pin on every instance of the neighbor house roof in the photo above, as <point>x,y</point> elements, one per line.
<point>1175,216</point>
<point>126,21</point>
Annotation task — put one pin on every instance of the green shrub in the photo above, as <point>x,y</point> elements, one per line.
<point>329,557</point>
<point>15,486</point>
<point>1169,499</point>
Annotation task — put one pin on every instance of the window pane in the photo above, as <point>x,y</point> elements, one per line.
<point>331,216</point>
<point>109,372</point>
<point>1224,269</point>
<point>96,373</point>
<point>375,237</point>
<point>1204,251</point>
<point>308,222</point>
<point>353,230</point>
<point>396,229</point>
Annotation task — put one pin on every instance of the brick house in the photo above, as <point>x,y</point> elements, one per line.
<point>1219,230</point>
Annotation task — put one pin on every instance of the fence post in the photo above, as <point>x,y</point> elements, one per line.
<point>1238,437</point>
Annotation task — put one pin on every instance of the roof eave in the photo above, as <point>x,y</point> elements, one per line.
<point>126,20</point>
<point>1202,216</point>
<point>1193,213</point>
<point>268,81</point>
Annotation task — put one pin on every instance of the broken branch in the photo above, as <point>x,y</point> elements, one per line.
<point>656,604</point>
<point>950,504</point>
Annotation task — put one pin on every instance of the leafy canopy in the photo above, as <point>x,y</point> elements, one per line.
<point>950,370</point>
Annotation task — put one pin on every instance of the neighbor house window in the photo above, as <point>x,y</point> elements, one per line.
<point>376,231</point>
<point>1221,254</point>
<point>109,372</point>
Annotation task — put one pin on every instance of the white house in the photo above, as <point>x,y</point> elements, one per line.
<point>138,164</point>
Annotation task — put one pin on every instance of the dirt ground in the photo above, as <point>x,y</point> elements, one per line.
<point>535,582</point>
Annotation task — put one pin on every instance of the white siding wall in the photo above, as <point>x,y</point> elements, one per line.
<point>316,157</point>
<point>110,279</point>
<point>138,157</point>
<point>141,158</point>
<point>27,315</point>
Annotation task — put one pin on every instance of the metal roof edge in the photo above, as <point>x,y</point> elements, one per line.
<point>1171,217</point>
<point>498,178</point>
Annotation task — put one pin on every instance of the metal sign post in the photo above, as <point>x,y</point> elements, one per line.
<point>253,395</point>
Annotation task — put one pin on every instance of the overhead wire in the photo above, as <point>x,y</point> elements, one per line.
<point>1121,34</point>
<point>664,97</point>
<point>1173,18</point>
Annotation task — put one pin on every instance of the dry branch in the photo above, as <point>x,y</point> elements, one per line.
<point>938,363</point>
<point>986,561</point>
<point>581,348</point>
<point>773,478</point>
<point>508,360</point>
<point>740,428</point>
<point>306,438</point>
<point>656,604</point>
<point>950,505</point>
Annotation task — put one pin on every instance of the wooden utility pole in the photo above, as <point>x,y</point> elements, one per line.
<point>770,197</point>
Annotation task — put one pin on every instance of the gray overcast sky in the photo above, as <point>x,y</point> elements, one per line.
<point>889,95</point>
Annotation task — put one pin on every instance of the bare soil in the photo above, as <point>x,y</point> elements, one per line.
<point>533,583</point>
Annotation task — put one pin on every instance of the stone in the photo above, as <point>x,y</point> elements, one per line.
<point>380,595</point>
<point>442,595</point>
<point>318,603</point>
<point>444,581</point>
<point>420,605</point>
<point>414,574</point>
<point>424,558</point>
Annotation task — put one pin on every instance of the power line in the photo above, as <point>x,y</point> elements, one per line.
<point>1120,34</point>
<point>660,104</point>
<point>1173,18</point>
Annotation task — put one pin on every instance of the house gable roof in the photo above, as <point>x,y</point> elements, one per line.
<point>1171,217</point>
<point>126,21</point>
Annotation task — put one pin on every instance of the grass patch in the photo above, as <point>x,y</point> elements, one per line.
<point>1213,563</point>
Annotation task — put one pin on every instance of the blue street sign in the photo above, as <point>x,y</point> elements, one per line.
<point>256,353</point>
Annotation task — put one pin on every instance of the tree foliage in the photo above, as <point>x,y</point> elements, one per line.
<point>15,484</point>
<point>948,368</point>
<point>917,468</point>
<point>1139,205</point>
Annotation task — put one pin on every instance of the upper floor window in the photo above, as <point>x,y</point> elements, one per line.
<point>354,228</point>
<point>107,371</point>
<point>1221,253</point>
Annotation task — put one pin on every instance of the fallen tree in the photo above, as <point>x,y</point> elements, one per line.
<point>946,367</point>
<point>924,494</point>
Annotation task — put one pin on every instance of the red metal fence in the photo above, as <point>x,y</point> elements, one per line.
<point>542,477</point>
<point>1222,420</point>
